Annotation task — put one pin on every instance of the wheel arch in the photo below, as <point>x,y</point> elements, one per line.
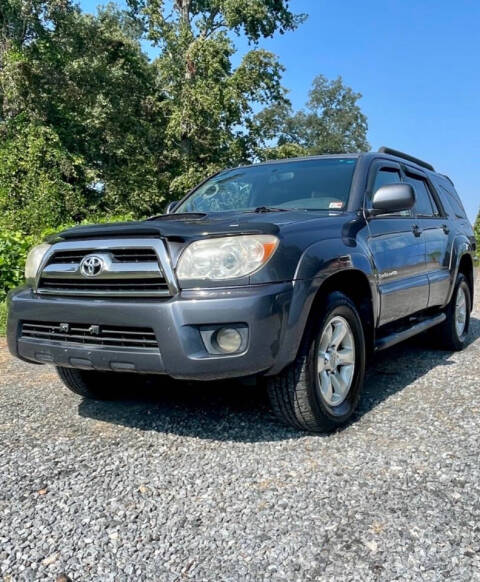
<point>461,261</point>
<point>355,284</point>
<point>465,266</point>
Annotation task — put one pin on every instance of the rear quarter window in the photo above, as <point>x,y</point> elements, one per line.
<point>450,199</point>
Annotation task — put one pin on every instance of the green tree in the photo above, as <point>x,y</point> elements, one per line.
<point>208,104</point>
<point>39,179</point>
<point>331,123</point>
<point>23,23</point>
<point>106,109</point>
<point>86,80</point>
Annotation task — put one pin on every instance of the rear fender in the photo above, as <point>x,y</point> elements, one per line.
<point>461,246</point>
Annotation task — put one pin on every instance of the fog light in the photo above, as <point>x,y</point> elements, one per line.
<point>229,340</point>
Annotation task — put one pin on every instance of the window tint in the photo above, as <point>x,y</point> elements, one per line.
<point>425,205</point>
<point>454,206</point>
<point>386,176</point>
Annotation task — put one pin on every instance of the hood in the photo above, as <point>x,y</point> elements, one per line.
<point>185,227</point>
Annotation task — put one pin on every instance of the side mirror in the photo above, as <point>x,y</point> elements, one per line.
<point>171,207</point>
<point>392,198</point>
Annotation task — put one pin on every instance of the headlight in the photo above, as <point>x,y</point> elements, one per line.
<point>34,259</point>
<point>226,258</point>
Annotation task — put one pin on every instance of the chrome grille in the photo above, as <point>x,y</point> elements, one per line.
<point>119,255</point>
<point>86,334</point>
<point>131,268</point>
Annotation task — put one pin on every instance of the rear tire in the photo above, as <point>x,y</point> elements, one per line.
<point>455,329</point>
<point>92,384</point>
<point>319,391</point>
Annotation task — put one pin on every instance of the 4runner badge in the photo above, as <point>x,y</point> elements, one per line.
<point>91,266</point>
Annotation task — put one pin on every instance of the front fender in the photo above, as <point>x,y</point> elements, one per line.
<point>326,258</point>
<point>318,263</point>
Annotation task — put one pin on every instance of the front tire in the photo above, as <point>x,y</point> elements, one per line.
<point>92,384</point>
<point>319,391</point>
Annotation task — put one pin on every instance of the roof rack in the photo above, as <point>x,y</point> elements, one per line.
<point>390,151</point>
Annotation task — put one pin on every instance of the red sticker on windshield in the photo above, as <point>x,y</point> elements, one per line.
<point>336,205</point>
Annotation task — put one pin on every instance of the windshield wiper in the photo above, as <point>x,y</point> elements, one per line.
<point>262,209</point>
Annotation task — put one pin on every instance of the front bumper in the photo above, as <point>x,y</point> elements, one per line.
<point>176,322</point>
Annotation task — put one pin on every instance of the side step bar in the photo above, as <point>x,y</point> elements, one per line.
<point>395,338</point>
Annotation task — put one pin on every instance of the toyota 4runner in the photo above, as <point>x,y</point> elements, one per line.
<point>293,271</point>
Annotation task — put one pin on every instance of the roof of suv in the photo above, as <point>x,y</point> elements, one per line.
<point>306,158</point>
<point>383,152</point>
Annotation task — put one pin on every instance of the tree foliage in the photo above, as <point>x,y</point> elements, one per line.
<point>476,228</point>
<point>207,103</point>
<point>83,83</point>
<point>86,79</point>
<point>14,246</point>
<point>39,179</point>
<point>255,19</point>
<point>3,318</point>
<point>331,123</point>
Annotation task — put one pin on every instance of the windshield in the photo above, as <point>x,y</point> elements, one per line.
<point>316,184</point>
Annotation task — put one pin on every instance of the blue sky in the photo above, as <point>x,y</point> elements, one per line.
<point>416,63</point>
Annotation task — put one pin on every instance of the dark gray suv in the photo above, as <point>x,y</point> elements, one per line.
<point>293,271</point>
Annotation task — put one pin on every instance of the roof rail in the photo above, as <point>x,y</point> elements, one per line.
<point>390,151</point>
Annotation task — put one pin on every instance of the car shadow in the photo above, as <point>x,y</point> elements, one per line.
<point>232,411</point>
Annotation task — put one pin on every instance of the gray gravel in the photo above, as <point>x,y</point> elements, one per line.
<point>201,483</point>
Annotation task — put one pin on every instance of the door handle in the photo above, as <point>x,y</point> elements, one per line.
<point>446,230</point>
<point>417,231</point>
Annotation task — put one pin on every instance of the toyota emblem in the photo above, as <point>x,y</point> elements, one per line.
<point>91,266</point>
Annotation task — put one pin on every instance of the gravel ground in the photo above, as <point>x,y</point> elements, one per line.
<point>201,483</point>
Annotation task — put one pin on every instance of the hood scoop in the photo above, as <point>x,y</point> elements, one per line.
<point>185,216</point>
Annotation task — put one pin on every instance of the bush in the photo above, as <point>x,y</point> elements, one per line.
<point>3,318</point>
<point>477,229</point>
<point>14,247</point>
